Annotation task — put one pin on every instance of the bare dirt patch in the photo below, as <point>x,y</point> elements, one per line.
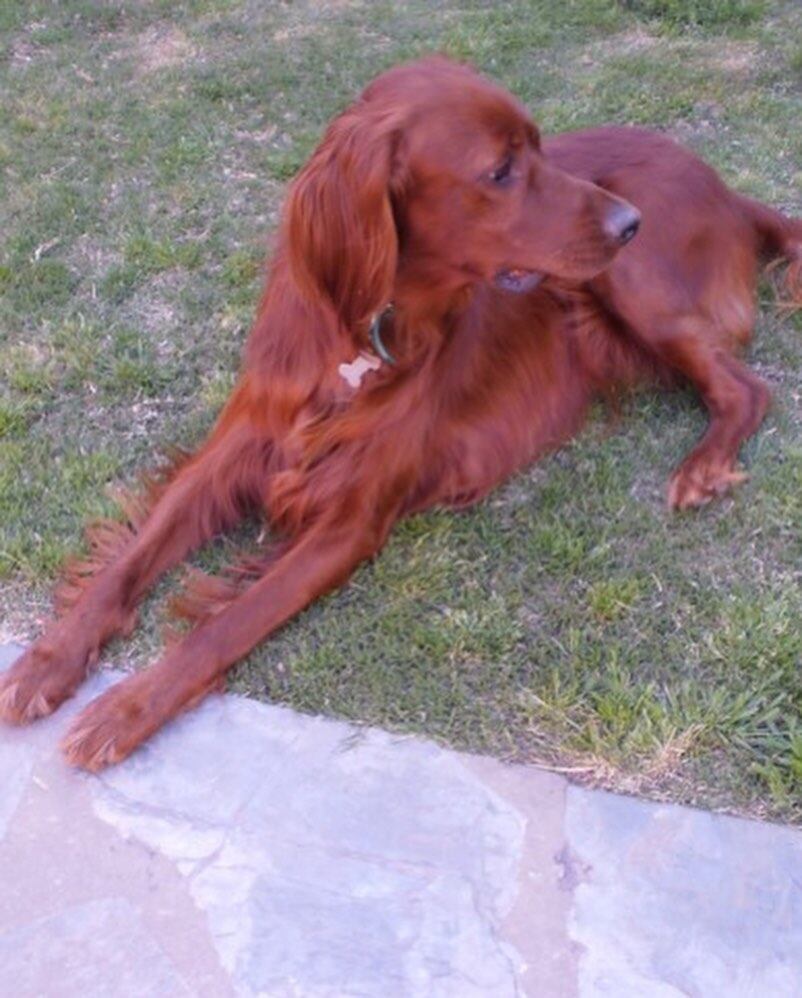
<point>161,47</point>
<point>625,43</point>
<point>736,58</point>
<point>23,52</point>
<point>154,309</point>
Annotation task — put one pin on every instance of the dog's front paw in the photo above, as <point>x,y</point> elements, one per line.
<point>41,679</point>
<point>698,480</point>
<point>110,728</point>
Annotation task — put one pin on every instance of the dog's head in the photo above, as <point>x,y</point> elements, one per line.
<point>434,178</point>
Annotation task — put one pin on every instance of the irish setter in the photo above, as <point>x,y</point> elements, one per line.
<point>448,294</point>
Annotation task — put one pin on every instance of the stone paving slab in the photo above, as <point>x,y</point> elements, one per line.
<point>251,851</point>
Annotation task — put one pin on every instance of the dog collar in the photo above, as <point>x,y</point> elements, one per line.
<point>376,334</point>
<point>365,361</point>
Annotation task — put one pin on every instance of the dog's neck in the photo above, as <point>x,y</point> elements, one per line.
<point>428,291</point>
<point>402,333</point>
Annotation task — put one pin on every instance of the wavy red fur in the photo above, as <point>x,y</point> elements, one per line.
<point>528,277</point>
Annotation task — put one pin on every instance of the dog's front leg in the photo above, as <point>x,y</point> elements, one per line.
<point>201,499</point>
<point>114,724</point>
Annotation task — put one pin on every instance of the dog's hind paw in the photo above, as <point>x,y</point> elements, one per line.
<point>697,482</point>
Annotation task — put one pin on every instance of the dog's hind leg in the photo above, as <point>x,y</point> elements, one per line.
<point>692,308</point>
<point>737,401</point>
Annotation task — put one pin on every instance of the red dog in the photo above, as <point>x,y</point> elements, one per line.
<point>448,295</point>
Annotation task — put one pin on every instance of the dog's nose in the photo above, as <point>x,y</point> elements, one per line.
<point>622,222</point>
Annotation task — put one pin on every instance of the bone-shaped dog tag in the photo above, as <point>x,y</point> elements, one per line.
<point>354,372</point>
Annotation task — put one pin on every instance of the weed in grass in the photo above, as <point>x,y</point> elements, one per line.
<point>14,419</point>
<point>42,284</point>
<point>119,283</point>
<point>610,599</point>
<point>149,256</point>
<point>28,370</point>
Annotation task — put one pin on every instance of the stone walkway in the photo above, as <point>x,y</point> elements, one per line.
<point>249,850</point>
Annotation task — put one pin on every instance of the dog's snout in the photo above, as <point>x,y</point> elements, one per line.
<point>622,222</point>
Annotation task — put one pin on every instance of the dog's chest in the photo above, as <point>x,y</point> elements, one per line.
<point>501,409</point>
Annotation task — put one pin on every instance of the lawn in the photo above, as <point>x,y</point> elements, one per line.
<point>570,619</point>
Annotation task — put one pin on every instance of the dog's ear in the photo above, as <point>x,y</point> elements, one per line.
<point>339,232</point>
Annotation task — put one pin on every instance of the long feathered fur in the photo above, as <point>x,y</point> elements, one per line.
<point>105,539</point>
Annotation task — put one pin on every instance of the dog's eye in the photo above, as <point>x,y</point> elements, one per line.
<point>502,173</point>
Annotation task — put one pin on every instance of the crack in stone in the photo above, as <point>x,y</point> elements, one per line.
<point>574,871</point>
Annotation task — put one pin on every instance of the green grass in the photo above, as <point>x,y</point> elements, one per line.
<point>144,153</point>
<point>719,14</point>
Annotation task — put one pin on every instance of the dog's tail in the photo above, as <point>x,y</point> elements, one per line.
<point>781,242</point>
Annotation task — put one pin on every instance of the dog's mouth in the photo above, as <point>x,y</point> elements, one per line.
<point>517,280</point>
